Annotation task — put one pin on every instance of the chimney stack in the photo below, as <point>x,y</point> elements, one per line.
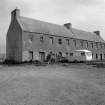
<point>15,13</point>
<point>97,33</point>
<point>68,25</point>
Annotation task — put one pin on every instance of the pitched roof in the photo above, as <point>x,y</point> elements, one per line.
<point>33,25</point>
<point>37,26</point>
<point>87,35</point>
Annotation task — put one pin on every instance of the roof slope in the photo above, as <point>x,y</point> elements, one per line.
<point>33,25</point>
<point>87,35</point>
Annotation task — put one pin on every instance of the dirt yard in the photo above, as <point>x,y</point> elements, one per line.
<point>52,85</point>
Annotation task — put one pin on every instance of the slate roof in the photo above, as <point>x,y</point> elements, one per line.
<point>32,25</point>
<point>87,35</point>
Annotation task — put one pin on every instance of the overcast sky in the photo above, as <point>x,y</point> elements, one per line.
<point>87,15</point>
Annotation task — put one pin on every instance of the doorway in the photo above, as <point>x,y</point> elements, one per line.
<point>31,55</point>
<point>42,56</point>
<point>96,56</point>
<point>100,56</point>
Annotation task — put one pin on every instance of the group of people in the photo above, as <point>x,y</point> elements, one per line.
<point>52,57</point>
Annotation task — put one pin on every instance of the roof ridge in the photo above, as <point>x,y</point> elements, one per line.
<point>41,21</point>
<point>84,31</point>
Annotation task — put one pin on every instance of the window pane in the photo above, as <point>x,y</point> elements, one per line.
<point>41,39</point>
<point>51,40</point>
<point>81,43</point>
<point>68,42</point>
<point>71,54</point>
<point>60,41</point>
<point>82,54</point>
<point>30,38</point>
<point>74,42</point>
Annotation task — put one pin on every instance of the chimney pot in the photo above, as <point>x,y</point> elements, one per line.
<point>97,33</point>
<point>68,25</point>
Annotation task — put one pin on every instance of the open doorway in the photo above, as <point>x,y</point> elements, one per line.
<point>42,56</point>
<point>100,56</point>
<point>96,56</point>
<point>31,55</point>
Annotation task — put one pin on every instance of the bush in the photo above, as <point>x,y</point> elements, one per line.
<point>11,62</point>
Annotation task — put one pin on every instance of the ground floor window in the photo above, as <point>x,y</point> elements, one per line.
<point>66,53</point>
<point>60,54</point>
<point>82,53</point>
<point>71,54</point>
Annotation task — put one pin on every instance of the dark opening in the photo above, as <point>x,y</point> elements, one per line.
<point>100,56</point>
<point>96,56</point>
<point>31,55</point>
<point>42,56</point>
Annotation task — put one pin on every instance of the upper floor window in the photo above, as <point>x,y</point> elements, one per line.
<point>87,44</point>
<point>71,54</point>
<point>51,40</point>
<point>96,44</point>
<point>41,39</point>
<point>81,43</point>
<point>104,45</point>
<point>101,45</point>
<point>68,42</point>
<point>92,44</point>
<point>74,42</point>
<point>59,41</point>
<point>30,38</point>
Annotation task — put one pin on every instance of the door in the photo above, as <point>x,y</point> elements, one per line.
<point>42,56</point>
<point>31,55</point>
<point>96,56</point>
<point>100,56</point>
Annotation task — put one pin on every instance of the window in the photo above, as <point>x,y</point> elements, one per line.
<point>41,39</point>
<point>74,42</point>
<point>51,40</point>
<point>81,43</point>
<point>92,44</point>
<point>101,45</point>
<point>96,44</point>
<point>82,53</point>
<point>68,42</point>
<point>59,41</point>
<point>96,56</point>
<point>30,37</point>
<point>60,54</point>
<point>87,44</point>
<point>71,54</point>
<point>104,55</point>
<point>66,53</point>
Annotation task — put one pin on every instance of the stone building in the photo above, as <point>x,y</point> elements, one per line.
<point>29,39</point>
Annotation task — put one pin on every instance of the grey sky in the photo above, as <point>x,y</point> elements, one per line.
<point>88,15</point>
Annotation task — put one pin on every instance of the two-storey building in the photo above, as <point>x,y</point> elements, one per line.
<point>30,39</point>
